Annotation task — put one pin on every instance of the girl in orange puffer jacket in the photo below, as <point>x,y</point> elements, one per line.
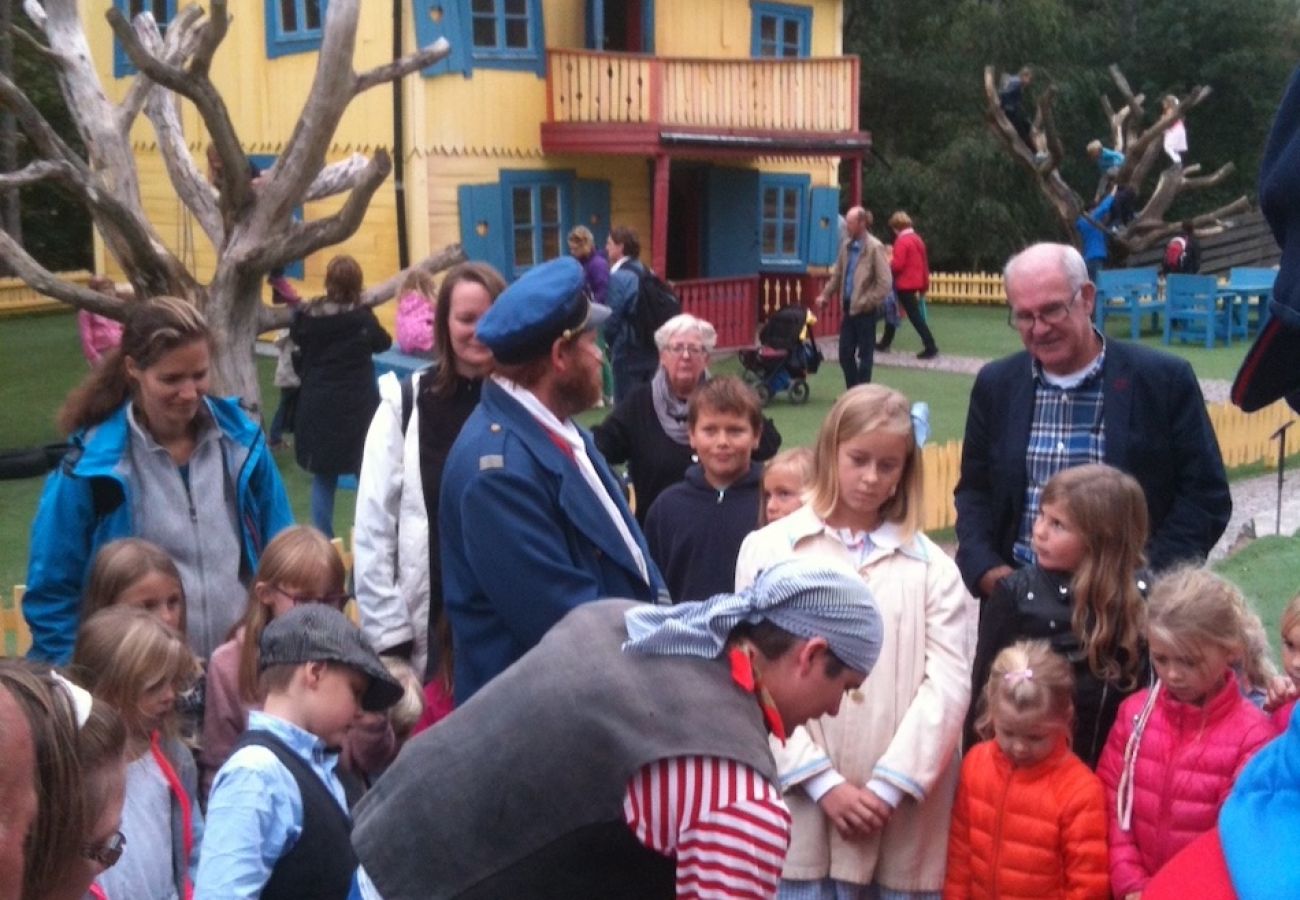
<point>1177,748</point>
<point>1030,820</point>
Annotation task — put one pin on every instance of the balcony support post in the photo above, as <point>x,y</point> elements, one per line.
<point>659,216</point>
<point>855,181</point>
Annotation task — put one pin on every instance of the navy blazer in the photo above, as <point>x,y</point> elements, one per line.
<point>524,540</point>
<point>1157,430</point>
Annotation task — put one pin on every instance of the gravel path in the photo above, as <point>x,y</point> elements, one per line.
<point>1254,500</point>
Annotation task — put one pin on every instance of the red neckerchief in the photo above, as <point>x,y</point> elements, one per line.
<point>742,672</point>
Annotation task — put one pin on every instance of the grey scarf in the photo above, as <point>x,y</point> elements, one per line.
<point>670,410</point>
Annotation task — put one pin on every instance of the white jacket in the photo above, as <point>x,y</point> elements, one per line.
<point>391,538</point>
<point>901,727</point>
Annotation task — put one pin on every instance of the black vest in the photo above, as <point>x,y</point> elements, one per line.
<point>322,863</point>
<point>519,793</point>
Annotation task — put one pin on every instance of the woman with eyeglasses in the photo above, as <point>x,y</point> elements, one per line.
<point>647,428</point>
<point>154,456</point>
<point>80,746</point>
<point>299,567</point>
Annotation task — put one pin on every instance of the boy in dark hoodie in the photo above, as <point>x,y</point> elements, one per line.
<point>695,527</point>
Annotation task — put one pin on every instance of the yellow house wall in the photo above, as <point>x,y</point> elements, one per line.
<point>458,130</point>
<point>722,28</point>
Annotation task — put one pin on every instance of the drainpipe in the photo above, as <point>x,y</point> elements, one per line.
<point>399,142</point>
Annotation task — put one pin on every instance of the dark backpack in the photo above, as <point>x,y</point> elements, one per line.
<point>655,304</point>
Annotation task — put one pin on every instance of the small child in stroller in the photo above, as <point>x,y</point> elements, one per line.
<point>787,353</point>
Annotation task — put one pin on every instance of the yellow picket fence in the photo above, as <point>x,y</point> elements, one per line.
<point>14,636</point>
<point>966,288</point>
<point>17,299</point>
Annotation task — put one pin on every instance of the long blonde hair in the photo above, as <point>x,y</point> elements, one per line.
<point>1109,512</point>
<point>122,653</point>
<point>1191,606</point>
<point>1028,676</point>
<point>862,410</point>
<point>299,555</point>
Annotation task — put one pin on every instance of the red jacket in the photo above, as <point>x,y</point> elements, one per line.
<point>1186,763</point>
<point>910,265</point>
<point>1034,833</point>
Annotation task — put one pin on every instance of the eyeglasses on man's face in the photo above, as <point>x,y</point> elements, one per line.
<point>1051,314</point>
<point>107,853</point>
<point>687,349</point>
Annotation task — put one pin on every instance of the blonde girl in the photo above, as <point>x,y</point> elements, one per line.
<point>299,566</point>
<point>1083,595</point>
<point>786,478</point>
<point>139,573</point>
<point>130,660</point>
<point>1030,817</point>
<point>871,788</point>
<point>415,314</point>
<point>1177,747</point>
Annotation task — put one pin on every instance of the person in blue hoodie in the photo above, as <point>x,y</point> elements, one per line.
<point>694,529</point>
<point>154,457</point>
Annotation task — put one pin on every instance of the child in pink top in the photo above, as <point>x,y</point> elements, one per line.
<point>1176,748</point>
<point>415,314</point>
<point>1283,702</point>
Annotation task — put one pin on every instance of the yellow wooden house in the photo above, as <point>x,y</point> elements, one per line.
<point>712,127</point>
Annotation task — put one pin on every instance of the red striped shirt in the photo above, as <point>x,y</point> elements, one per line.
<point>725,823</point>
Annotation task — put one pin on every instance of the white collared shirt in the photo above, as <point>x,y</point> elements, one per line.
<point>567,431</point>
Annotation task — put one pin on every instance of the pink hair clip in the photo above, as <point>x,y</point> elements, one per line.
<point>1014,678</point>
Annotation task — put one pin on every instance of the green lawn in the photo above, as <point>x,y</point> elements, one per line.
<point>1265,570</point>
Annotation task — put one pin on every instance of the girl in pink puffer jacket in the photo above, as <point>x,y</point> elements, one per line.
<point>1176,748</point>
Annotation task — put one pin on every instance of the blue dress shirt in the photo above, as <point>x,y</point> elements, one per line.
<point>255,811</point>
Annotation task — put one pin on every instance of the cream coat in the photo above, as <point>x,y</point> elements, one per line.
<point>902,727</point>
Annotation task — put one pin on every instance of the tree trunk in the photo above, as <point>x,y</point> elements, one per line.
<point>10,202</point>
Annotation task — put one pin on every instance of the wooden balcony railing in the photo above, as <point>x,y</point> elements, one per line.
<point>590,87</point>
<point>736,306</point>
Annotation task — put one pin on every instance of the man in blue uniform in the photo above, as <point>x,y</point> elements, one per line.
<point>532,521</point>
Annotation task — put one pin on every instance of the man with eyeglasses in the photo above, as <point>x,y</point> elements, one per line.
<point>532,522</point>
<point>1075,397</point>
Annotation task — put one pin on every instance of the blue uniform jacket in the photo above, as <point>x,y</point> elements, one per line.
<point>85,505</point>
<point>524,540</point>
<point>1157,430</point>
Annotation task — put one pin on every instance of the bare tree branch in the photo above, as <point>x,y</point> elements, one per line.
<point>236,185</point>
<point>40,49</point>
<point>46,282</point>
<point>210,39</point>
<point>308,237</point>
<point>271,317</point>
<point>398,68</point>
<point>172,49</point>
<point>40,170</point>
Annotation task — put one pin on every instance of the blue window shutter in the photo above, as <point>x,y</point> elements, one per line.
<point>731,231</point>
<point>647,26</point>
<point>483,234</point>
<point>823,226</point>
<point>591,208</point>
<point>443,18</point>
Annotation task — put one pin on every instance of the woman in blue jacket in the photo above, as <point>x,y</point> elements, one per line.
<point>154,457</point>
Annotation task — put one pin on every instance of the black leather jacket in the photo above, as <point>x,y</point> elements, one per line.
<point>1033,603</point>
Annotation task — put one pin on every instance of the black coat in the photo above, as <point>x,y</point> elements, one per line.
<point>338,396</point>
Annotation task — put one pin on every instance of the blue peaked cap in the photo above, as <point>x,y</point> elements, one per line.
<point>543,304</point>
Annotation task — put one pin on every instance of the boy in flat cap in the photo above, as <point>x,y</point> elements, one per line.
<point>532,522</point>
<point>278,824</point>
<point>627,755</point>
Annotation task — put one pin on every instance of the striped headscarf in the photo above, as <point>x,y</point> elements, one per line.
<point>807,596</point>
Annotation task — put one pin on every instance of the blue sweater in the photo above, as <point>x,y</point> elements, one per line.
<point>694,532</point>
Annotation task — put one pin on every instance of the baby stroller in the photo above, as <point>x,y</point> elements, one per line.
<point>786,354</point>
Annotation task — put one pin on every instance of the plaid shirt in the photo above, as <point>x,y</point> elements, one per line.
<point>1068,430</point>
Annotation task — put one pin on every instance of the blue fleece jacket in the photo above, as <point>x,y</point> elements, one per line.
<point>86,503</point>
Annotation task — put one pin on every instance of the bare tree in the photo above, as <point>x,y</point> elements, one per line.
<point>1141,144</point>
<point>251,226</point>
